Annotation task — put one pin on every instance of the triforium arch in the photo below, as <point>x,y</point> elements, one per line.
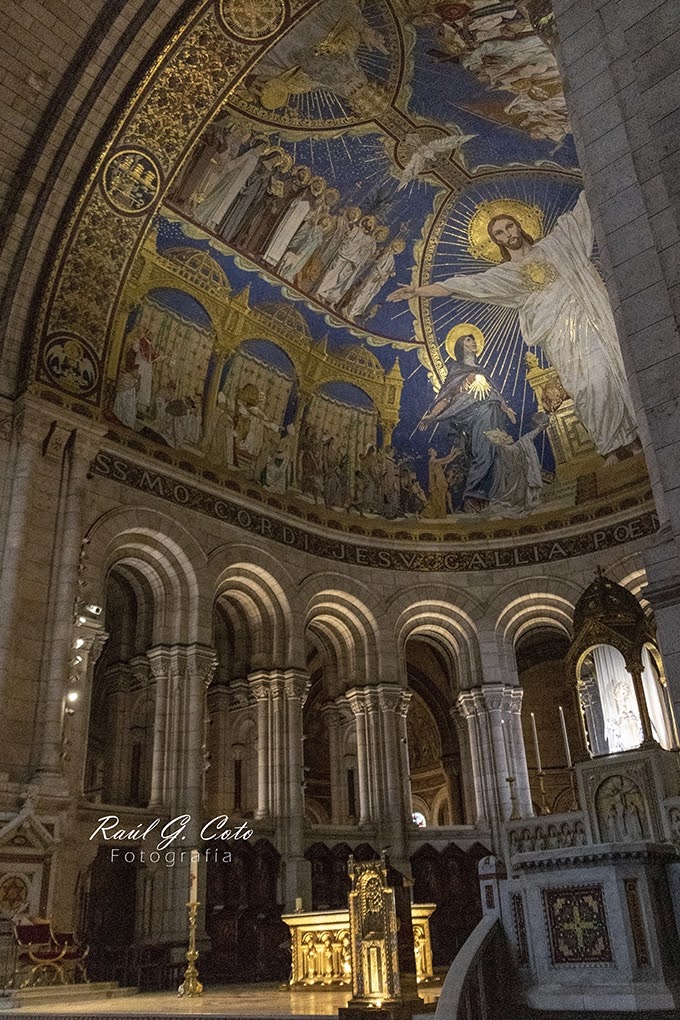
<point>447,615</point>
<point>253,588</point>
<point>343,617</point>
<point>169,557</point>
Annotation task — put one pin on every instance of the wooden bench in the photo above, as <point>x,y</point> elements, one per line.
<point>45,957</point>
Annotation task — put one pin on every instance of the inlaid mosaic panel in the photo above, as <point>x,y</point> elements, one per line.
<point>577,925</point>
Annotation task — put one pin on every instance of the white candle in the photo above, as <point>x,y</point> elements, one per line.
<point>193,877</point>
<point>298,903</point>
<point>505,745</point>
<point>565,738</point>
<point>538,750</point>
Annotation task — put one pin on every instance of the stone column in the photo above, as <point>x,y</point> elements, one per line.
<point>29,430</point>
<point>259,685</point>
<point>89,638</point>
<point>219,782</point>
<point>73,451</point>
<point>468,706</point>
<point>298,874</point>
<point>161,683</point>
<point>518,752</point>
<point>200,666</point>
<point>331,716</point>
<point>468,781</point>
<point>356,702</point>
<point>450,765</point>
<point>635,670</point>
<point>116,755</point>
<point>404,703</point>
<point>296,688</point>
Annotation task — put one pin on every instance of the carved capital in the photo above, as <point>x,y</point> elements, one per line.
<point>297,685</point>
<point>203,663</point>
<point>389,697</point>
<point>159,662</point>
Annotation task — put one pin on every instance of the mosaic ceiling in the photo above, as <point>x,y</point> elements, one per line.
<point>368,291</point>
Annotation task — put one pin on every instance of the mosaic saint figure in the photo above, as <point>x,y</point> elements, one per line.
<point>292,219</point>
<point>127,387</point>
<point>212,210</point>
<point>469,400</point>
<point>563,307</point>
<point>517,483</point>
<point>355,251</point>
<point>303,245</point>
<point>375,280</point>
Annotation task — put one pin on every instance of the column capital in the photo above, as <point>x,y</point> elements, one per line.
<point>389,697</point>
<point>160,660</point>
<point>90,638</point>
<point>357,699</point>
<point>297,684</point>
<point>492,698</point>
<point>202,661</point>
<point>117,678</point>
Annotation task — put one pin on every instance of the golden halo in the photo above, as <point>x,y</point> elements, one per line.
<point>530,218</point>
<point>463,329</point>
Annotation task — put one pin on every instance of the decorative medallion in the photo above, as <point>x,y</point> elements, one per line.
<point>14,892</point>
<point>131,181</point>
<point>538,275</point>
<point>577,925</point>
<point>70,363</point>
<point>252,20</point>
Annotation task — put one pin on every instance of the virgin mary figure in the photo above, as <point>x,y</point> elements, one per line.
<point>470,401</point>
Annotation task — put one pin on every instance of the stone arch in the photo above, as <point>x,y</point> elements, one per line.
<point>343,619</point>
<point>152,551</point>
<point>251,588</point>
<point>530,603</point>
<point>444,618</point>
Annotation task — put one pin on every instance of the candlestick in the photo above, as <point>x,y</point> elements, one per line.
<point>191,986</point>
<point>565,738</point>
<point>536,746</point>
<point>508,763</point>
<point>193,877</point>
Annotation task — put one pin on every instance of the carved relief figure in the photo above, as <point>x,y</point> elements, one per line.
<point>621,811</point>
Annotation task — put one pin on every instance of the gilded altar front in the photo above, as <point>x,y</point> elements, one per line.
<point>321,952</point>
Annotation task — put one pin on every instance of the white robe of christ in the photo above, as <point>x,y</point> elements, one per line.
<point>563,307</point>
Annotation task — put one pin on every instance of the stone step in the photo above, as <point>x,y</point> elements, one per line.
<point>65,994</point>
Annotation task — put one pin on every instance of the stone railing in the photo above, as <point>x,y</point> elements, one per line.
<point>546,832</point>
<point>321,948</point>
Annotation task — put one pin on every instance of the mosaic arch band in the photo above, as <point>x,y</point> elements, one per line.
<point>563,308</point>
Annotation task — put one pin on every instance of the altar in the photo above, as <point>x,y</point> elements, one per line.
<point>321,948</point>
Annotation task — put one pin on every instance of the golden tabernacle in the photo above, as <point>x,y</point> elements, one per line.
<point>321,950</point>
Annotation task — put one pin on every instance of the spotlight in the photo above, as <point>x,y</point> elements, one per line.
<point>80,642</point>
<point>95,610</point>
<point>72,696</point>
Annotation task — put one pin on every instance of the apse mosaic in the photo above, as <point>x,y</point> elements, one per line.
<point>371,289</point>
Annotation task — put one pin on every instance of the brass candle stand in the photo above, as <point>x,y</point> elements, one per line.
<point>191,986</point>
<point>545,809</point>
<point>575,806</point>
<point>514,814</point>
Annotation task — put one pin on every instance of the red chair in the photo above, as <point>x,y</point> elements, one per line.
<point>39,955</point>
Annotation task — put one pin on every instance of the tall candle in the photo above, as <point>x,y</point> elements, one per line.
<point>193,877</point>
<point>505,745</point>
<point>298,904</point>
<point>537,748</point>
<point>565,738</point>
